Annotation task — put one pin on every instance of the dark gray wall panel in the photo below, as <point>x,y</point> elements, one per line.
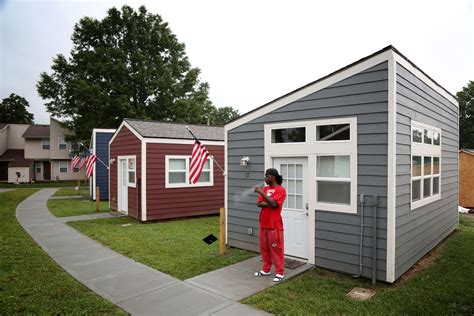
<point>364,95</point>
<point>419,230</point>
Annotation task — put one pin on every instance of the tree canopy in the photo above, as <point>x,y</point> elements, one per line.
<point>13,110</point>
<point>128,64</point>
<point>466,116</point>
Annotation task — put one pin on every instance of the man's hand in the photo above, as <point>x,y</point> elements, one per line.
<point>258,190</point>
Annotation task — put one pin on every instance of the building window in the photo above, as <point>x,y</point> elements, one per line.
<point>333,132</point>
<point>76,169</point>
<point>425,164</point>
<point>45,143</point>
<point>63,166</point>
<point>289,135</point>
<point>131,171</point>
<point>333,179</point>
<point>177,173</point>
<point>62,143</point>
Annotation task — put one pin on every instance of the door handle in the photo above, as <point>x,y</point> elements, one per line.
<point>307,206</point>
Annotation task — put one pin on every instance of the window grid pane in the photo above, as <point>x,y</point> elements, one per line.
<point>289,135</point>
<point>427,166</point>
<point>416,166</point>
<point>334,166</point>
<point>334,192</point>
<point>333,132</point>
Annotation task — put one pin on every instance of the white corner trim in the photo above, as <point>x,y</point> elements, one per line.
<point>226,189</point>
<point>429,82</point>
<point>94,175</point>
<point>391,172</point>
<point>143,184</point>
<point>384,56</point>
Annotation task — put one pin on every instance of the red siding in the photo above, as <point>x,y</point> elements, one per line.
<point>165,203</point>
<point>125,144</point>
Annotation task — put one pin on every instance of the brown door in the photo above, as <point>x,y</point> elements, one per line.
<point>47,171</point>
<point>4,171</point>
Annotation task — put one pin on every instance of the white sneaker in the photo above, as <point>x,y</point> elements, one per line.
<point>262,273</point>
<point>278,278</point>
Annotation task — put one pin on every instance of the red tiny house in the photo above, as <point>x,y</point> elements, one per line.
<point>151,160</point>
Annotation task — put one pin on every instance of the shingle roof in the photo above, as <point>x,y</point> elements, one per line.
<point>37,131</point>
<point>17,158</point>
<point>155,129</point>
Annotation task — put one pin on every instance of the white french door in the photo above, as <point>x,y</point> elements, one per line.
<point>295,208</point>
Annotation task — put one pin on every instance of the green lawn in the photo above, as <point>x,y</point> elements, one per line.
<point>31,283</point>
<point>173,247</point>
<point>53,184</point>
<point>84,191</point>
<point>74,207</point>
<point>445,288</point>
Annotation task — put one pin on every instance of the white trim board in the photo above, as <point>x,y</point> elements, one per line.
<point>387,55</point>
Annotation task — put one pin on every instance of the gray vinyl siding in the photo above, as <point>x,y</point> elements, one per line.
<point>421,229</point>
<point>365,96</point>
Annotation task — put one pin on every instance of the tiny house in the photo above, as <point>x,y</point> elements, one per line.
<point>100,148</point>
<point>149,170</point>
<point>369,154</point>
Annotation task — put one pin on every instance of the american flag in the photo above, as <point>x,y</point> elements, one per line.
<point>90,161</point>
<point>198,160</point>
<point>75,160</point>
<point>82,162</point>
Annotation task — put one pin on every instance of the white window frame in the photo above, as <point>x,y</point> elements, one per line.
<point>424,150</point>
<point>311,149</point>
<point>43,144</point>
<point>62,141</point>
<point>67,166</point>
<point>187,159</point>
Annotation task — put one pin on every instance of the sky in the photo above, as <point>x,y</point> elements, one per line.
<point>249,51</point>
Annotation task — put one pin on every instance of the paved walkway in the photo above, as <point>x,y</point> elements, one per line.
<point>6,190</point>
<point>60,197</point>
<point>136,288</point>
<point>90,216</point>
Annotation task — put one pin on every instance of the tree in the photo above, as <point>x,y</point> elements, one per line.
<point>13,110</point>
<point>220,116</point>
<point>129,64</point>
<point>466,116</point>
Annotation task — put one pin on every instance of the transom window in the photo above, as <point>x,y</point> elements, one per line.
<point>425,164</point>
<point>289,135</point>
<point>177,173</point>
<point>333,132</point>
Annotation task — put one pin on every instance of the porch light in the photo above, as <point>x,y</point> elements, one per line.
<point>244,161</point>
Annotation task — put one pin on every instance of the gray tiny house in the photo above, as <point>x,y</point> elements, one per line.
<point>369,155</point>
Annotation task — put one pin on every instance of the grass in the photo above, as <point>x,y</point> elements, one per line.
<point>84,191</point>
<point>53,184</point>
<point>30,281</point>
<point>444,288</point>
<point>173,247</point>
<point>74,207</point>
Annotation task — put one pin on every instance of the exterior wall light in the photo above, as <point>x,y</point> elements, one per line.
<point>244,161</point>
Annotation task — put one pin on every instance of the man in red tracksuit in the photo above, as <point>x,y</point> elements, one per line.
<point>270,200</point>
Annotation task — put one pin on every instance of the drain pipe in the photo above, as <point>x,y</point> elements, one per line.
<point>361,199</point>
<point>375,204</point>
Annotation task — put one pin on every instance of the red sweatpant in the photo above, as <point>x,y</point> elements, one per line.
<point>272,249</point>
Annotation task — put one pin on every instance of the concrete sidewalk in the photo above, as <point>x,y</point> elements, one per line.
<point>136,288</point>
<point>90,216</point>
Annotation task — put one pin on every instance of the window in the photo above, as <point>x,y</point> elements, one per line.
<point>425,164</point>
<point>333,132</point>
<point>131,171</point>
<point>45,143</point>
<point>289,135</point>
<point>62,143</point>
<point>76,169</point>
<point>63,166</point>
<point>177,172</point>
<point>333,179</point>
<point>74,146</point>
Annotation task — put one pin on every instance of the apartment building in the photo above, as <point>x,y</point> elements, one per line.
<point>35,152</point>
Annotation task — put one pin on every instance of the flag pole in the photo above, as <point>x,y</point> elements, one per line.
<point>212,157</point>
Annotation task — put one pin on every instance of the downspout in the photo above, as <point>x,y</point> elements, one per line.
<point>361,199</point>
<point>375,201</point>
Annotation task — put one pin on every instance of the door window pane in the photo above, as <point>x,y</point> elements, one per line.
<point>417,135</point>
<point>415,190</point>
<point>299,187</point>
<point>291,201</point>
<point>299,202</point>
<point>289,135</point>
<point>299,171</point>
<point>435,185</point>
<point>427,166</point>
<point>428,136</point>
<point>436,139</point>
<point>334,166</point>
<point>334,192</point>
<point>435,165</point>
<point>427,187</point>
<point>333,132</point>
<point>416,166</point>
